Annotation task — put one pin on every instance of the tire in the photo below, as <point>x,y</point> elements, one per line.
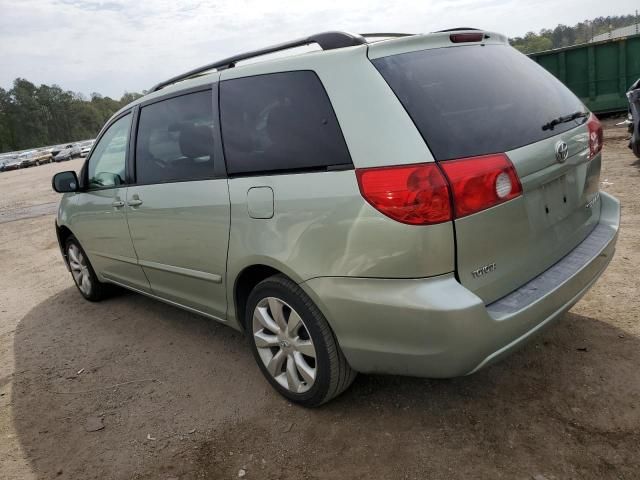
<point>82,272</point>
<point>290,337</point>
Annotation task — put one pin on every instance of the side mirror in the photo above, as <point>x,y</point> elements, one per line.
<point>65,182</point>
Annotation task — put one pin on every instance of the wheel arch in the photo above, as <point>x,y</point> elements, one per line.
<point>63,233</point>
<point>244,283</point>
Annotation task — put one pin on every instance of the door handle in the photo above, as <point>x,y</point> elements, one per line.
<point>134,202</point>
<point>118,204</point>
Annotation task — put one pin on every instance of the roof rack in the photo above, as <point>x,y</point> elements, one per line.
<point>326,41</point>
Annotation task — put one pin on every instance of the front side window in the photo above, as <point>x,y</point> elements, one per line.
<point>175,139</point>
<point>279,122</point>
<point>107,163</point>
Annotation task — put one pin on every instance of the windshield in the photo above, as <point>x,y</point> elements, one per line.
<point>475,100</point>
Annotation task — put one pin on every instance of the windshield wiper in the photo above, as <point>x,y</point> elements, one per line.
<point>564,119</point>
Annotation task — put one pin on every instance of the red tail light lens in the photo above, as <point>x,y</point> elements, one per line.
<point>466,37</point>
<point>481,182</point>
<point>419,194</point>
<point>595,135</point>
<point>413,194</point>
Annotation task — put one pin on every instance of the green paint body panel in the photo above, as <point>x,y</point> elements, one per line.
<point>598,73</point>
<point>528,234</point>
<point>435,327</point>
<point>104,233</point>
<point>180,233</point>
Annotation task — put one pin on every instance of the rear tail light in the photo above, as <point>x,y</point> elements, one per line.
<point>413,194</point>
<point>421,194</point>
<point>466,37</point>
<point>595,135</point>
<point>481,182</point>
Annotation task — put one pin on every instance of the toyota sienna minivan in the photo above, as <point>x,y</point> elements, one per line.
<point>399,204</point>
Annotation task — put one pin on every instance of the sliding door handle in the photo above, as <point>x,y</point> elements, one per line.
<point>117,204</point>
<point>134,202</point>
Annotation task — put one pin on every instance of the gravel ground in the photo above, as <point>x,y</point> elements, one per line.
<point>132,388</point>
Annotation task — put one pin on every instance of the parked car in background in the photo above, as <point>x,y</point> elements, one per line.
<point>43,156</point>
<point>12,163</point>
<point>27,159</point>
<point>71,151</point>
<point>4,159</point>
<point>85,148</point>
<point>633,95</point>
<point>34,158</point>
<point>415,206</point>
<point>59,148</point>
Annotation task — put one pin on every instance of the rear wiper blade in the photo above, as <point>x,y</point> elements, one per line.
<point>564,119</point>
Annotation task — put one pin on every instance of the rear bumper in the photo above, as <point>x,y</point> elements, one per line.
<point>435,327</point>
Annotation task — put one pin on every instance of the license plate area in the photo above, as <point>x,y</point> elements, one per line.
<point>555,200</point>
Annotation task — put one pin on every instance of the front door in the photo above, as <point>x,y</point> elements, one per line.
<point>178,209</point>
<point>98,215</point>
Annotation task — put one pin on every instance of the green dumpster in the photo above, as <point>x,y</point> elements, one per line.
<point>599,73</point>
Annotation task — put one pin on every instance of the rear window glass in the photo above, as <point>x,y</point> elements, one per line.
<point>279,122</point>
<point>474,100</point>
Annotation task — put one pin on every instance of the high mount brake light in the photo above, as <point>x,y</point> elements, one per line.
<point>421,194</point>
<point>595,135</point>
<point>466,37</point>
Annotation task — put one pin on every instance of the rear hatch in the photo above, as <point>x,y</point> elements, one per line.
<point>482,100</point>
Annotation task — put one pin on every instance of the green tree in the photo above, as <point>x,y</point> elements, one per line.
<point>564,36</point>
<point>33,116</point>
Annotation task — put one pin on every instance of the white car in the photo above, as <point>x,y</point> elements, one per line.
<point>85,148</point>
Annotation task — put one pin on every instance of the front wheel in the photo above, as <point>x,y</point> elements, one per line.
<point>82,272</point>
<point>293,344</point>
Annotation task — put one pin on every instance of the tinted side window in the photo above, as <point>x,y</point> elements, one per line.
<point>280,121</point>
<point>175,139</point>
<point>107,163</point>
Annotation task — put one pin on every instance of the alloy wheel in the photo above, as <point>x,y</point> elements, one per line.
<point>79,269</point>
<point>284,345</point>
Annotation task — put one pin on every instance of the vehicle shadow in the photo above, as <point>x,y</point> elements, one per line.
<point>132,388</point>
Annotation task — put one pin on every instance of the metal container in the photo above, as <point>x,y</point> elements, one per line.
<point>599,73</point>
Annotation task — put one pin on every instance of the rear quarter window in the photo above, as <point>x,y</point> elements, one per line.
<point>474,100</point>
<point>279,122</point>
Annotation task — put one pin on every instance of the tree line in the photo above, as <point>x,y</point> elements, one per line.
<point>564,36</point>
<point>35,116</point>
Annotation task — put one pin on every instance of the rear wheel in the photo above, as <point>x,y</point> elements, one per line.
<point>82,272</point>
<point>294,345</point>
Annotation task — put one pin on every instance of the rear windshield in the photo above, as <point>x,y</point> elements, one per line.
<point>474,100</point>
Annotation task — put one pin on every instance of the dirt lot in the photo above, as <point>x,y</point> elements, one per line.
<point>172,395</point>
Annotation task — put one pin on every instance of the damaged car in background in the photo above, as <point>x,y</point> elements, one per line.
<point>633,119</point>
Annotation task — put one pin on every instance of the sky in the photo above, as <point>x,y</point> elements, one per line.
<point>115,46</point>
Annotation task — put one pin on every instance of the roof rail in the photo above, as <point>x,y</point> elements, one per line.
<point>326,41</point>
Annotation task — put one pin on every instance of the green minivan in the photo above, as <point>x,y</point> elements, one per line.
<point>383,203</point>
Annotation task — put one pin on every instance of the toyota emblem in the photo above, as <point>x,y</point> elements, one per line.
<point>562,151</point>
